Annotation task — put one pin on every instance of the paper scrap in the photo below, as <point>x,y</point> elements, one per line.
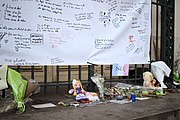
<point>120,101</point>
<point>44,105</point>
<point>120,69</point>
<point>145,98</point>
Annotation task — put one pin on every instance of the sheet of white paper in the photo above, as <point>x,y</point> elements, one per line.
<point>61,32</point>
<point>44,105</point>
<point>120,101</point>
<point>145,98</point>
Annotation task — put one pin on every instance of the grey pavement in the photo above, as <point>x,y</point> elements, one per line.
<point>163,108</point>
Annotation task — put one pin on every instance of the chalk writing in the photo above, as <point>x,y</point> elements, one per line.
<point>83,16</point>
<point>103,43</point>
<point>79,26</point>
<point>36,39</point>
<point>46,28</point>
<point>46,5</point>
<point>73,5</point>
<point>13,13</point>
<point>130,47</point>
<point>56,60</point>
<point>105,18</point>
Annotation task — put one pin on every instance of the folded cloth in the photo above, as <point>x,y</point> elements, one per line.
<point>159,70</point>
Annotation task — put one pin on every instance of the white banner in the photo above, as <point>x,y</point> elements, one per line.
<point>74,32</point>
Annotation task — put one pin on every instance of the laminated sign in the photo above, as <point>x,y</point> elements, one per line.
<point>74,32</point>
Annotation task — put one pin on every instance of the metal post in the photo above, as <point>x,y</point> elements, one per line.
<point>32,72</point>
<point>90,74</point>
<point>57,78</point>
<point>168,34</point>
<point>45,79</point>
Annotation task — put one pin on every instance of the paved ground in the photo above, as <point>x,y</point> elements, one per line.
<point>166,108</point>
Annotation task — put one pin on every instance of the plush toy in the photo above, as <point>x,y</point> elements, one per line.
<point>149,80</point>
<point>77,87</point>
<point>81,94</point>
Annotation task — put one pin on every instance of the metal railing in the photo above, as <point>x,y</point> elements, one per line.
<point>162,42</point>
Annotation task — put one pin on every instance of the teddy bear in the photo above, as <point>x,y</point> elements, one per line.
<point>149,80</point>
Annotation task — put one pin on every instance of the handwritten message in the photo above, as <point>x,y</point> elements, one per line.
<point>104,43</point>
<point>74,32</point>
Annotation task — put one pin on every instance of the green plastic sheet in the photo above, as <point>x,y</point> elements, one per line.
<point>18,86</point>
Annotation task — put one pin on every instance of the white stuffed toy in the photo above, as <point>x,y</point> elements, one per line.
<point>149,80</point>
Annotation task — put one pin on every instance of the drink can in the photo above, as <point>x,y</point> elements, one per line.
<point>133,97</point>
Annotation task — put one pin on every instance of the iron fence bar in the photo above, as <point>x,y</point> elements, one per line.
<point>18,68</point>
<point>168,33</point>
<point>163,33</point>
<point>80,68</point>
<point>135,74</point>
<point>32,72</point>
<point>111,67</point>
<point>141,81</point>
<point>157,29</point>
<point>158,3</point>
<point>45,79</point>
<point>102,70</point>
<point>57,78</point>
<point>69,77</point>
<point>151,40</point>
<point>3,93</point>
<point>89,75</point>
<point>91,86</point>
